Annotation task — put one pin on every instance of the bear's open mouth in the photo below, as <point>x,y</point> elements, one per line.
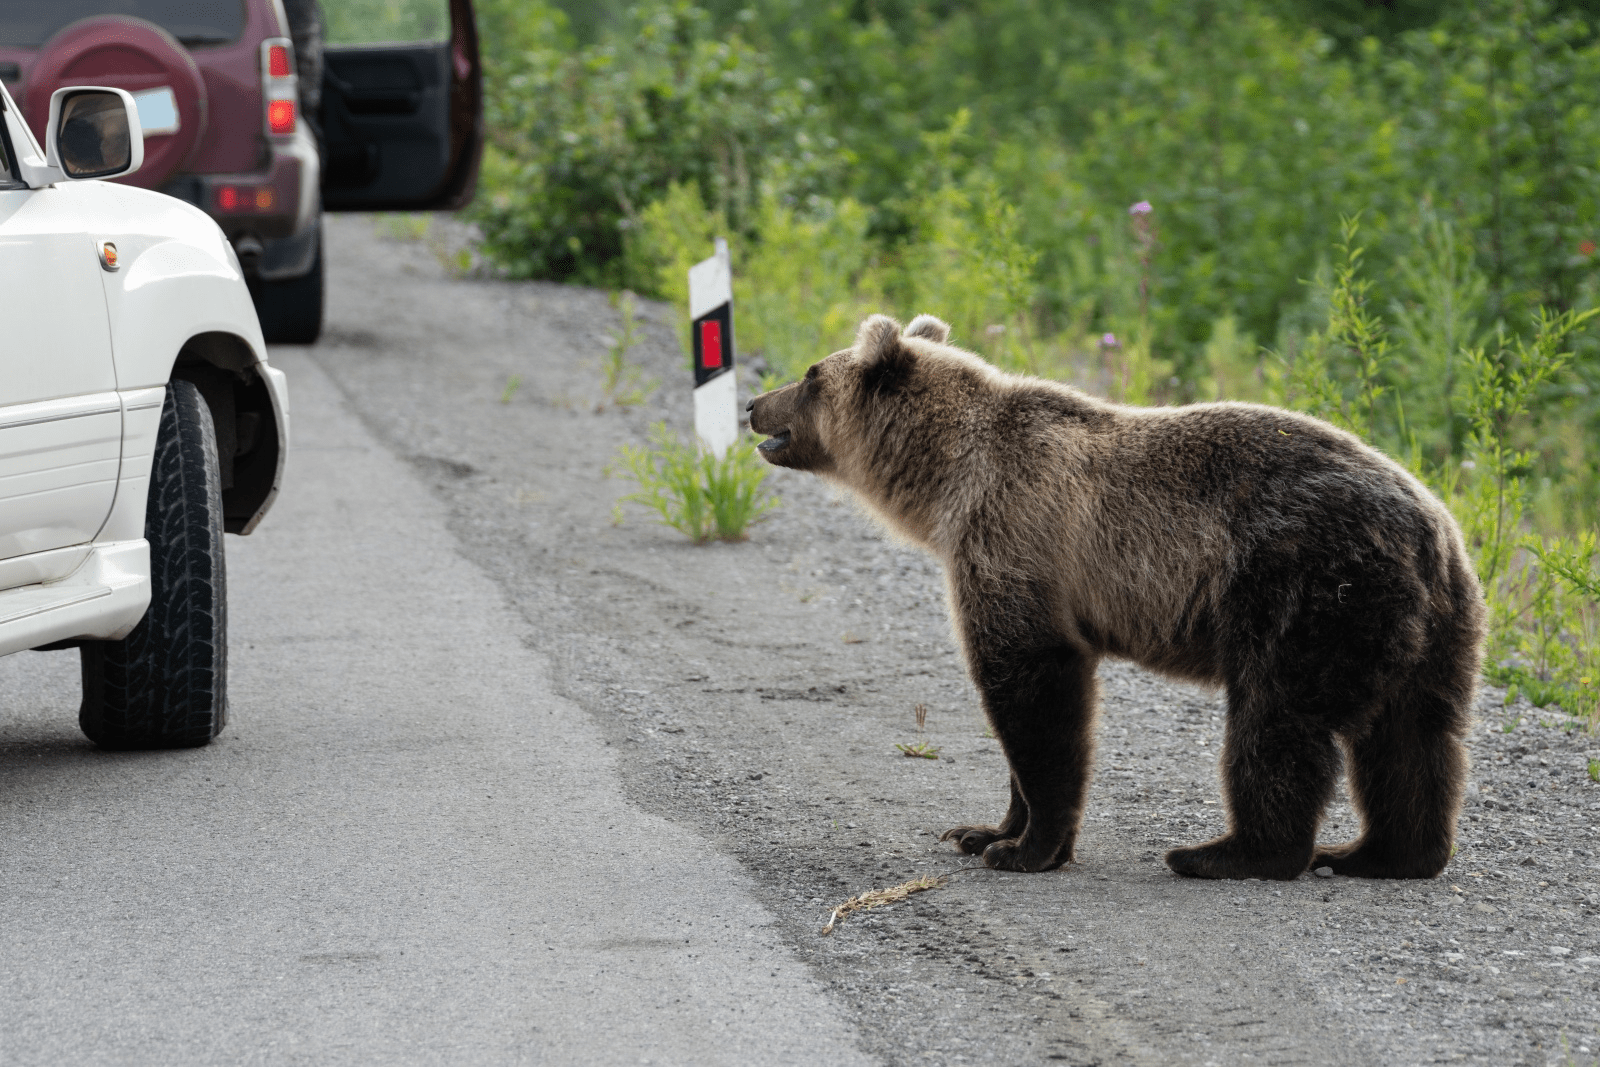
<point>776,443</point>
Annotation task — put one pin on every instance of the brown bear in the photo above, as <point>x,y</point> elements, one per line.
<point>1230,544</point>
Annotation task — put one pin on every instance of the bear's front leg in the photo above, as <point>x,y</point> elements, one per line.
<point>1039,693</point>
<point>974,839</point>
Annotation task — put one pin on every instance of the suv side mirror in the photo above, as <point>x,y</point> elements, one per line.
<point>94,133</point>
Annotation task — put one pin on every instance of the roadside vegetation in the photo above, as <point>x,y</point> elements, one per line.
<point>1384,215</point>
<point>703,497</point>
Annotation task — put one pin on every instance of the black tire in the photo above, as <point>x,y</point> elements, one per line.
<point>165,685</point>
<point>291,311</point>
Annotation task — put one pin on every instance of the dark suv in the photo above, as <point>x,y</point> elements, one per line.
<point>251,116</point>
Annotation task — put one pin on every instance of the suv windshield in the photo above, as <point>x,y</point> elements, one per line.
<point>30,23</point>
<point>9,178</point>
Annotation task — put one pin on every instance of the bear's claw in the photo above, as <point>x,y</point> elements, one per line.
<point>972,839</point>
<point>1009,855</point>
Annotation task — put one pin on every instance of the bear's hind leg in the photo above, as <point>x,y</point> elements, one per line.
<point>1406,778</point>
<point>1278,770</point>
<point>974,839</point>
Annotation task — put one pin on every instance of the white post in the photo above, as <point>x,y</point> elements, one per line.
<point>716,392</point>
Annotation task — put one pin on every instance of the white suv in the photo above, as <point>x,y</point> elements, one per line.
<point>138,421</point>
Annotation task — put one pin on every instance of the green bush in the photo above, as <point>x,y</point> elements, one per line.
<point>582,141</point>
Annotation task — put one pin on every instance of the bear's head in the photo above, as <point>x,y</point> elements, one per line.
<point>856,404</point>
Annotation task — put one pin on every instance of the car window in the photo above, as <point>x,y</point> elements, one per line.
<point>10,177</point>
<point>385,21</point>
<point>30,23</point>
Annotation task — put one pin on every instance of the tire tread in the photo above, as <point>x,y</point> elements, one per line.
<point>165,684</point>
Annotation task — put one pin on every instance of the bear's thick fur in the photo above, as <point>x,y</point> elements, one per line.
<point>1316,580</point>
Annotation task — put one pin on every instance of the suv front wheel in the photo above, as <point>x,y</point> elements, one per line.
<point>165,684</point>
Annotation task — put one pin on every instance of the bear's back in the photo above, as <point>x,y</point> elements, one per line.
<point>1154,517</point>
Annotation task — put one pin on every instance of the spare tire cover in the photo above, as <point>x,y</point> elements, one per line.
<point>124,53</point>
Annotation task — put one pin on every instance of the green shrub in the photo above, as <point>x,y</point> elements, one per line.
<point>799,290</point>
<point>692,491</point>
<point>583,140</point>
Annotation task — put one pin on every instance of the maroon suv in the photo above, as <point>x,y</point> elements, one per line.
<point>249,117</point>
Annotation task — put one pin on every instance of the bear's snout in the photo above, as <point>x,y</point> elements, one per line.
<point>770,412</point>
<point>774,415</point>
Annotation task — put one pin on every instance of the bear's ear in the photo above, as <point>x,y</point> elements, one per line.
<point>879,336</point>
<point>926,326</point>
<point>884,360</point>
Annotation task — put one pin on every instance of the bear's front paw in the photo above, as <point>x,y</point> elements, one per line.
<point>1013,854</point>
<point>972,839</point>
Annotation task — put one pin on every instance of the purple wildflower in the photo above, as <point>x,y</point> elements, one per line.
<point>1141,208</point>
<point>1109,340</point>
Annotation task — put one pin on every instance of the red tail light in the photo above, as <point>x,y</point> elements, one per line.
<point>279,85</point>
<point>228,198</point>
<point>280,116</point>
<point>277,61</point>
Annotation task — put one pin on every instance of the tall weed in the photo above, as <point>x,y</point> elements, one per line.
<point>694,492</point>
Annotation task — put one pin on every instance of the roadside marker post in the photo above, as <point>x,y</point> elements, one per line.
<point>716,390</point>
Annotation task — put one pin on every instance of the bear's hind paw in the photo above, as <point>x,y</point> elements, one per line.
<point>1223,858</point>
<point>1358,860</point>
<point>972,839</point>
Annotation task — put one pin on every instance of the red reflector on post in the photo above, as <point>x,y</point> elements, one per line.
<point>711,343</point>
<point>280,116</point>
<point>278,61</point>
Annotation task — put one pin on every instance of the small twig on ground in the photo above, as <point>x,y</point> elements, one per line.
<point>877,898</point>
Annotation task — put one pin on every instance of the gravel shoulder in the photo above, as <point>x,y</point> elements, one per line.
<point>755,694</point>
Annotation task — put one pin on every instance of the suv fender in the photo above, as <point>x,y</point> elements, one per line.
<point>179,308</point>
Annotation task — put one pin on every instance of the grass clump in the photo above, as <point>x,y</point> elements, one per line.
<point>919,748</point>
<point>694,492</point>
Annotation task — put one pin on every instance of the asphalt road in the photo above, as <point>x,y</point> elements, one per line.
<point>404,848</point>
